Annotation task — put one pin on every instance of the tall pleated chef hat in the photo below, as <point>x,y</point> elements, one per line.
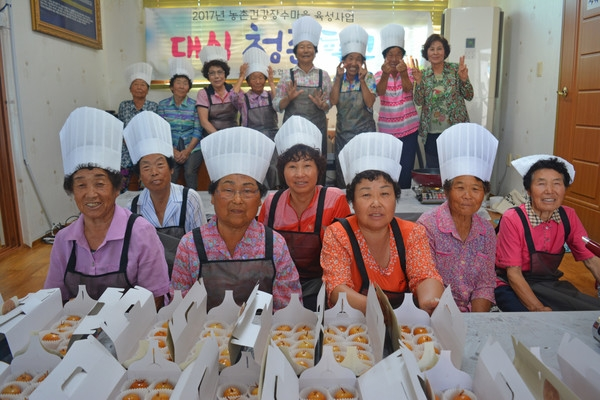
<point>353,39</point>
<point>181,66</point>
<point>371,151</point>
<point>91,137</point>
<point>139,70</point>
<point>523,164</point>
<point>466,149</point>
<point>257,60</point>
<point>306,28</point>
<point>210,53</point>
<point>148,133</point>
<point>298,130</point>
<point>392,35</point>
<point>237,150</point>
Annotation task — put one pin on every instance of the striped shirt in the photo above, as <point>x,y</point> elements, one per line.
<point>397,113</point>
<point>183,120</point>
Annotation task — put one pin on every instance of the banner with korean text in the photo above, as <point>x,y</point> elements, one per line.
<point>181,32</point>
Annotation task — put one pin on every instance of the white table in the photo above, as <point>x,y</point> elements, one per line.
<point>533,329</point>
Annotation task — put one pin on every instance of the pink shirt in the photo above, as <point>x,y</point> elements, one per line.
<point>146,265</point>
<point>397,112</point>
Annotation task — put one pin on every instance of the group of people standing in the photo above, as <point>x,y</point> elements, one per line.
<point>304,236</point>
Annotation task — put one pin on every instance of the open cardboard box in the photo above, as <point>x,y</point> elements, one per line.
<point>580,367</point>
<point>34,312</point>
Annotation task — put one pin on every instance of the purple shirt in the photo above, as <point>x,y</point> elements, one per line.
<point>468,267</point>
<point>146,266</point>
<point>256,100</point>
<point>252,246</point>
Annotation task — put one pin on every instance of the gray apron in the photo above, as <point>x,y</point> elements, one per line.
<point>353,117</point>
<point>304,107</point>
<point>95,285</point>
<point>240,276</point>
<point>262,118</point>
<point>222,115</point>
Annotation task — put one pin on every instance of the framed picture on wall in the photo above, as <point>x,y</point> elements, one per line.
<point>75,20</point>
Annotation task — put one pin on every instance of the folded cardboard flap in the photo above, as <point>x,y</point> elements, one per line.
<point>496,378</point>
<point>579,367</point>
<point>279,379</point>
<point>251,330</point>
<point>444,375</point>
<point>449,326</point>
<point>200,379</point>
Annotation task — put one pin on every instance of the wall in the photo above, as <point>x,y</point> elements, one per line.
<point>55,76</point>
<point>527,106</point>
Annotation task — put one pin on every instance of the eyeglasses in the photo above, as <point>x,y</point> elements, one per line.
<point>214,73</point>
<point>229,194</point>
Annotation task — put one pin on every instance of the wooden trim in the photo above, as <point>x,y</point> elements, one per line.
<point>9,208</point>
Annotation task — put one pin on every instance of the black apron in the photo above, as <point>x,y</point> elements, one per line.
<point>97,284</point>
<point>222,115</point>
<point>170,235</point>
<point>240,276</point>
<point>353,117</point>
<point>305,249</point>
<point>304,107</point>
<point>395,298</point>
<point>262,118</point>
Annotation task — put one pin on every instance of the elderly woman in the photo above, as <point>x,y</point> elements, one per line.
<point>303,210</point>
<point>373,245</point>
<point>216,103</point>
<point>180,112</point>
<point>172,209</point>
<point>397,114</point>
<point>531,240</point>
<point>353,92</point>
<point>305,91</point>
<point>107,246</point>
<point>441,91</point>
<point>234,251</point>
<point>463,243</point>
<point>139,77</point>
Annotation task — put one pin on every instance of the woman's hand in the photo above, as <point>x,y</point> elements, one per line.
<point>463,71</point>
<point>243,69</point>
<point>414,67</point>
<point>270,73</point>
<point>293,92</point>
<point>319,99</point>
<point>362,72</point>
<point>339,71</point>
<point>386,68</point>
<point>401,67</point>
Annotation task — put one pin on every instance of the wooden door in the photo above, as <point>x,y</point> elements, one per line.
<point>577,136</point>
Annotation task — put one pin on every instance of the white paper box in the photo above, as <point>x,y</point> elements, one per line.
<point>36,311</point>
<point>496,378</point>
<point>579,367</point>
<point>200,379</point>
<point>34,360</point>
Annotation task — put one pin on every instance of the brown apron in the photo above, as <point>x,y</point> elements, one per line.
<point>95,285</point>
<point>222,115</point>
<point>240,276</point>
<point>395,298</point>
<point>304,107</point>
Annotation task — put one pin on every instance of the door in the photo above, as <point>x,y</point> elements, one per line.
<point>577,136</point>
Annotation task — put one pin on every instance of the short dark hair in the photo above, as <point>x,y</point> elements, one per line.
<point>346,56</point>
<point>212,187</point>
<point>170,162</point>
<point>172,80</point>
<point>384,53</point>
<point>115,178</point>
<point>370,175</point>
<point>296,49</point>
<point>215,63</point>
<point>301,152</point>
<point>435,38</point>
<point>448,185</point>
<point>547,163</point>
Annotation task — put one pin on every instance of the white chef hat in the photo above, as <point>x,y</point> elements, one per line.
<point>181,66</point>
<point>353,39</point>
<point>466,149</point>
<point>148,133</point>
<point>298,130</point>
<point>306,28</point>
<point>523,164</point>
<point>139,70</point>
<point>371,151</point>
<point>257,60</point>
<point>210,53</point>
<point>237,150</point>
<point>91,137</point>
<point>392,35</point>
